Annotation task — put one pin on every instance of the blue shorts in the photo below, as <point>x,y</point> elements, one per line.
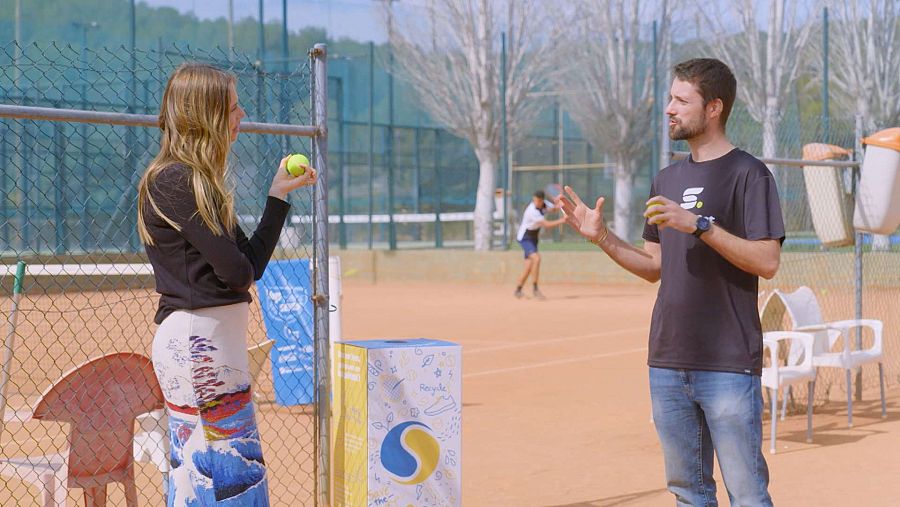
<point>529,245</point>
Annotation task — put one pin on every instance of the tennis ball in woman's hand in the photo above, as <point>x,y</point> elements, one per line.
<point>295,164</point>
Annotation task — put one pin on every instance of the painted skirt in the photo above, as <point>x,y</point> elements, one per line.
<point>200,358</point>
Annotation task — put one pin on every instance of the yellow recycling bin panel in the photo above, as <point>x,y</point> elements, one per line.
<point>396,423</point>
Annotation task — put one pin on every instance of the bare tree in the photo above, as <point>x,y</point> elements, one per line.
<point>867,54</point>
<point>766,63</point>
<point>610,85</point>
<point>451,56</point>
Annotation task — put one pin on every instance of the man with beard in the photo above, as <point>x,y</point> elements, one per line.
<point>714,227</point>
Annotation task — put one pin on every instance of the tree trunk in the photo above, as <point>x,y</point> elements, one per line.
<point>484,198</point>
<point>770,126</point>
<point>623,195</point>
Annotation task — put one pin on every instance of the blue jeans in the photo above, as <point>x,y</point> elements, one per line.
<point>697,412</point>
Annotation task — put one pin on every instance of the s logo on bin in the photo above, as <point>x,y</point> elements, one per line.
<point>410,452</point>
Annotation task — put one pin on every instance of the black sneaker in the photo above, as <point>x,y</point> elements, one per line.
<point>538,294</point>
<point>519,294</point>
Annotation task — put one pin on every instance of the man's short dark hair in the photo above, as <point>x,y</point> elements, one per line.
<point>539,194</point>
<point>714,80</point>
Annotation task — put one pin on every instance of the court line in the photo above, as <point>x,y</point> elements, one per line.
<point>557,340</point>
<point>553,363</point>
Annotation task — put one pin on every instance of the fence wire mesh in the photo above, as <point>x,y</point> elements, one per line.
<point>69,210</point>
<point>853,275</point>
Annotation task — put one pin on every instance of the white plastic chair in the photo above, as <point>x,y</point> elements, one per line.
<point>803,309</point>
<point>799,369</point>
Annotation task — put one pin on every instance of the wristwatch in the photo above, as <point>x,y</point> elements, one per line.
<point>703,225</point>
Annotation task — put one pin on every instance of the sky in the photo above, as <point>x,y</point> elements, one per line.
<point>357,19</point>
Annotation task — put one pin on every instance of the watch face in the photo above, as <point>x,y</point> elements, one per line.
<point>702,226</point>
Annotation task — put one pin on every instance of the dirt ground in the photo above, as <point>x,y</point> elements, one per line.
<point>556,404</point>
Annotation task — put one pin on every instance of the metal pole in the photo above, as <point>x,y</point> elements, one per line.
<point>858,253</point>
<point>138,120</point>
<point>131,145</point>
<point>262,35</point>
<point>342,205</point>
<point>417,175</point>
<point>826,127</point>
<point>85,193</point>
<point>392,227</point>
<point>371,139</point>
<point>654,115</point>
<point>438,227</point>
<point>558,156</point>
<point>321,289</point>
<point>17,51</point>
<point>59,189</point>
<point>26,204</point>
<point>283,92</point>
<point>230,28</point>
<point>4,190</point>
<point>504,143</point>
<point>284,36</point>
<point>665,147</point>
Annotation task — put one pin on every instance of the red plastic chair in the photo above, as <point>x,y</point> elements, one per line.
<point>100,400</point>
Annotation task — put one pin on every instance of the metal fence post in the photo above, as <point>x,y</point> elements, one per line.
<point>342,170</point>
<point>371,158</point>
<point>438,228</point>
<point>392,227</point>
<point>59,190</point>
<point>504,143</point>
<point>654,115</point>
<point>130,136</point>
<point>858,252</point>
<point>4,190</point>
<point>321,291</point>
<point>85,172</point>
<point>26,205</point>
<point>825,116</point>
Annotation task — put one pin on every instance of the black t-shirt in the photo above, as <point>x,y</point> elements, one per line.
<point>705,316</point>
<point>193,267</point>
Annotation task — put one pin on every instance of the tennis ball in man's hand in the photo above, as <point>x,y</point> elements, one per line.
<point>296,163</point>
<point>655,212</point>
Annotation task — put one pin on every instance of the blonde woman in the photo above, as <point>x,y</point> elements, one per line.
<point>204,266</point>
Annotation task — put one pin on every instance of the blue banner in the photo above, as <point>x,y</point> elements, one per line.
<point>284,296</point>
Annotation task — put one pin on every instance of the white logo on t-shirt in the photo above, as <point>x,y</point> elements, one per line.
<point>689,199</point>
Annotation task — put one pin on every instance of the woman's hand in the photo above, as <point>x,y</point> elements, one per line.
<point>283,183</point>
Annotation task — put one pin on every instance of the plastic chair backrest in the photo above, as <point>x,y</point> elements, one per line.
<point>772,314</point>
<point>100,399</point>
<point>802,307</point>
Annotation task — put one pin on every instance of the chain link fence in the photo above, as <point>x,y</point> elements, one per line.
<point>68,175</point>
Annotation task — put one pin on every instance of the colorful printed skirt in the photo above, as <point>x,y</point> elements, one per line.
<point>200,358</point>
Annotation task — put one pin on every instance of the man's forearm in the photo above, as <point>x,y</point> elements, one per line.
<point>630,257</point>
<point>760,258</point>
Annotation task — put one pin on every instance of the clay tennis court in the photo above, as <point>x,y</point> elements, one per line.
<point>556,404</point>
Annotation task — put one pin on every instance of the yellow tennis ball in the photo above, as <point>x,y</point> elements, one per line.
<point>653,213</point>
<point>296,163</point>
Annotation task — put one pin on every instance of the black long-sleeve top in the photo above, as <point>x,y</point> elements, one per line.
<point>194,268</point>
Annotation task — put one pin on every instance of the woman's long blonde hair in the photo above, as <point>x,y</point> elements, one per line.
<point>193,120</point>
